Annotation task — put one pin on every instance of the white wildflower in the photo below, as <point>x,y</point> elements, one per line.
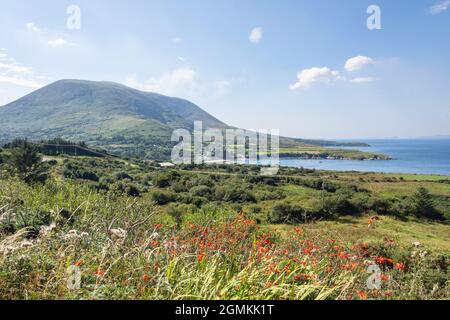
<point>416,244</point>
<point>26,244</point>
<point>118,235</point>
<point>74,234</point>
<point>154,236</point>
<point>44,231</point>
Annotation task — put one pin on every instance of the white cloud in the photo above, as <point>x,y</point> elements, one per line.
<point>307,77</point>
<point>180,82</point>
<point>20,82</point>
<point>256,35</point>
<point>46,37</point>
<point>363,80</point>
<point>222,88</point>
<point>358,62</point>
<point>57,42</point>
<point>440,7</point>
<point>32,27</point>
<point>13,73</point>
<point>177,40</point>
<point>180,58</point>
<point>12,67</point>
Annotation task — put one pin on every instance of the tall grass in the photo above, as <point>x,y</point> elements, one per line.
<point>123,249</point>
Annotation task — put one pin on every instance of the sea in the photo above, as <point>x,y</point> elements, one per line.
<point>420,156</point>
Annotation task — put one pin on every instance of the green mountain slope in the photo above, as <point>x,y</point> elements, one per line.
<point>74,107</point>
<point>101,113</point>
<point>122,120</point>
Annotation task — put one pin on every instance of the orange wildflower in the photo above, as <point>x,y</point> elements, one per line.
<point>79,263</point>
<point>384,277</point>
<point>399,266</point>
<point>200,257</point>
<point>383,260</point>
<point>100,272</point>
<point>362,295</point>
<point>146,277</point>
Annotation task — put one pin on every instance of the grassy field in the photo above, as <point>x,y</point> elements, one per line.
<point>115,229</point>
<point>357,230</point>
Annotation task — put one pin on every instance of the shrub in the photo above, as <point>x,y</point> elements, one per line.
<point>26,162</point>
<point>234,194</point>
<point>422,205</point>
<point>75,171</point>
<point>132,191</point>
<point>123,176</point>
<point>162,180</point>
<point>31,220</point>
<point>286,213</point>
<point>179,187</point>
<point>162,197</point>
<point>201,191</point>
<point>187,198</point>
<point>176,214</point>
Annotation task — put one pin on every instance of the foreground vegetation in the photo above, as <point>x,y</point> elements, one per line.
<point>105,228</point>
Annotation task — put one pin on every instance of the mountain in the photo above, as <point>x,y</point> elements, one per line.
<point>103,114</point>
<point>120,119</point>
<point>75,107</point>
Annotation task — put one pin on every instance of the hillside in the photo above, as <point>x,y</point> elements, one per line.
<point>136,230</point>
<point>98,112</point>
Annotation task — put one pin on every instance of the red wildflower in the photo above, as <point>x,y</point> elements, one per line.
<point>399,266</point>
<point>146,277</point>
<point>383,260</point>
<point>100,272</point>
<point>200,257</point>
<point>79,263</point>
<point>384,277</point>
<point>362,294</point>
<point>304,277</point>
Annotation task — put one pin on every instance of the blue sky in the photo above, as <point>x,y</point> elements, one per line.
<point>309,68</point>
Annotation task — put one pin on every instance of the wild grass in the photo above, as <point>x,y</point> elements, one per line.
<point>123,248</point>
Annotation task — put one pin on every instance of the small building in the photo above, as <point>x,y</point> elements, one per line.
<point>166,165</point>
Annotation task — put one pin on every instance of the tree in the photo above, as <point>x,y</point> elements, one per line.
<point>423,205</point>
<point>26,162</point>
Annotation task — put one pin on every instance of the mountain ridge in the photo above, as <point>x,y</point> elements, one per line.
<point>123,120</point>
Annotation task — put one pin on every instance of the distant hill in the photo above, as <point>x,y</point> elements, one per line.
<point>120,119</point>
<point>104,114</point>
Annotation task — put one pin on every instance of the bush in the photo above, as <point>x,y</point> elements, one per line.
<point>234,194</point>
<point>176,214</point>
<point>422,205</point>
<point>132,191</point>
<point>286,213</point>
<point>162,180</point>
<point>31,220</point>
<point>179,187</point>
<point>162,197</point>
<point>187,198</point>
<point>26,162</point>
<point>75,171</point>
<point>270,195</point>
<point>123,176</point>
<point>201,191</point>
